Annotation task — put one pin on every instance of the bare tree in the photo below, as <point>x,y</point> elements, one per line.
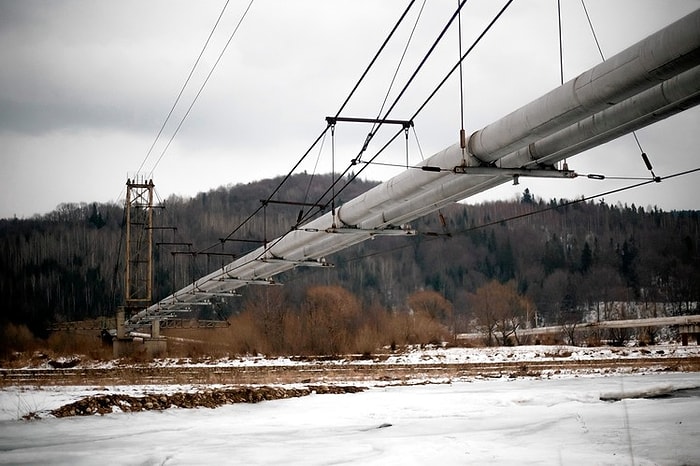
<point>330,316</point>
<point>268,305</point>
<point>500,309</point>
<point>432,304</point>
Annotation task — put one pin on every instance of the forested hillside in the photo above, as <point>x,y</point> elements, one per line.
<point>68,265</point>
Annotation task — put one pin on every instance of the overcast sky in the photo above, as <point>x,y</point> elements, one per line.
<point>86,85</point>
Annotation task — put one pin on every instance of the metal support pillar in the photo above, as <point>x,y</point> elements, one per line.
<point>138,288</point>
<point>121,332</point>
<point>138,276</point>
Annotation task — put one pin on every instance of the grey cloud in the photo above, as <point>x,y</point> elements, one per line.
<point>97,67</point>
<point>40,118</point>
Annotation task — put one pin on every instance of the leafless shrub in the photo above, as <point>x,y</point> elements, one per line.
<point>14,340</point>
<point>368,339</point>
<point>329,321</point>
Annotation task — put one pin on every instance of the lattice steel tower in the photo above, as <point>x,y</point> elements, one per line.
<point>138,290</point>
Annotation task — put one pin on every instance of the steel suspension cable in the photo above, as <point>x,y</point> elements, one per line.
<point>279,186</point>
<point>376,56</point>
<point>561,54</point>
<point>306,216</point>
<point>381,150</point>
<point>303,217</point>
<point>427,55</point>
<point>396,100</point>
<point>590,24</point>
<point>177,100</point>
<point>323,134</point>
<point>397,134</point>
<point>602,57</point>
<point>437,88</point>
<point>182,90</point>
<point>398,67</point>
<point>461,74</point>
<point>462,58</point>
<point>313,173</point>
<point>206,80</point>
<point>561,46</point>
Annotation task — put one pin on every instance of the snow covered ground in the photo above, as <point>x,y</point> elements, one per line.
<point>557,418</point>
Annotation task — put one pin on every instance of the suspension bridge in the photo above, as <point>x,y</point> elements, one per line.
<point>651,80</point>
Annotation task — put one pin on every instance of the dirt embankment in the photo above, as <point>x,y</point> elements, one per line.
<point>109,403</point>
<point>330,372</point>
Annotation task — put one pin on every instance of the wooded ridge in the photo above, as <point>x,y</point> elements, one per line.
<point>562,258</point>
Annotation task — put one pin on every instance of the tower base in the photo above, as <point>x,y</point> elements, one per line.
<point>139,347</point>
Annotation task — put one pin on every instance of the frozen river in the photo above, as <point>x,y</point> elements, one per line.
<point>493,421</point>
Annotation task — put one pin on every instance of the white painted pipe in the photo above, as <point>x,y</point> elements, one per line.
<point>651,61</point>
<point>619,95</point>
<point>668,98</point>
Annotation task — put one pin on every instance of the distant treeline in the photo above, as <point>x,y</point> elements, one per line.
<point>69,265</point>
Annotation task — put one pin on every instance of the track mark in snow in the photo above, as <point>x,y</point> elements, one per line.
<point>582,423</point>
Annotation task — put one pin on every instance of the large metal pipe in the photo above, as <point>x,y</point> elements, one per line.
<point>651,80</point>
<point>651,61</point>
<point>673,96</point>
<point>668,98</point>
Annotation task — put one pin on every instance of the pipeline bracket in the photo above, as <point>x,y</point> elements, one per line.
<point>515,172</point>
<point>298,263</point>
<point>371,232</point>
